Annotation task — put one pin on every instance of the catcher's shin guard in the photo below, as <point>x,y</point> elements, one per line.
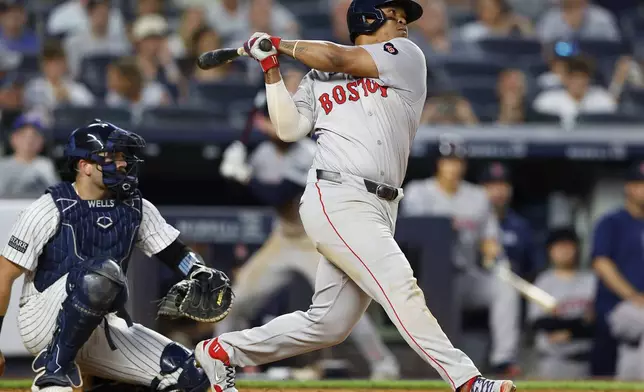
<point>94,290</point>
<point>179,371</point>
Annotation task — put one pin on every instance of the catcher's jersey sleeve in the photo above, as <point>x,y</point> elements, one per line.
<point>35,226</point>
<point>402,66</point>
<point>304,98</point>
<point>155,234</point>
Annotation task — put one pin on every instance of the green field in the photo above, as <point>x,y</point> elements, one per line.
<point>399,385</point>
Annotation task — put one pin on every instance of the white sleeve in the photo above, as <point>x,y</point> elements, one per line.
<point>155,234</point>
<point>35,226</point>
<point>402,66</point>
<point>290,124</point>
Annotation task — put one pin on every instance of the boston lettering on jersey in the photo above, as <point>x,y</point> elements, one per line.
<point>352,91</point>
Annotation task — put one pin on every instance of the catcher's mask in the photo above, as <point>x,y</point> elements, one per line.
<point>98,142</point>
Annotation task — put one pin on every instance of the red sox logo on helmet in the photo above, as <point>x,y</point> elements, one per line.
<point>390,48</point>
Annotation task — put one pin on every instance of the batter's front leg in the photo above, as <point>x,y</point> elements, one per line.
<point>337,305</point>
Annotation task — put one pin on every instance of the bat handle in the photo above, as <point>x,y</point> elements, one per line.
<point>265,45</point>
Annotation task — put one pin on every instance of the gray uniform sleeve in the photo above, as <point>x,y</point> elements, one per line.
<point>413,204</point>
<point>401,66</point>
<point>490,228</point>
<point>304,97</point>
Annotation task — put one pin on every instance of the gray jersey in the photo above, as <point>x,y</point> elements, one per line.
<point>469,209</point>
<point>366,126</point>
<point>26,180</point>
<point>575,297</point>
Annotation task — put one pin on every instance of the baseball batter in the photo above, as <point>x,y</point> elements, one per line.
<point>564,339</point>
<point>73,244</point>
<point>364,102</point>
<point>276,173</point>
<point>447,194</point>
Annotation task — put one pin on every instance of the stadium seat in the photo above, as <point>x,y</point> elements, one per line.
<point>481,93</point>
<point>321,34</point>
<point>70,117</point>
<point>183,117</point>
<point>535,117</point>
<point>609,118</point>
<point>93,73</point>
<point>30,64</point>
<point>225,92</point>
<point>515,47</point>
<point>313,19</point>
<point>470,68</point>
<point>603,48</point>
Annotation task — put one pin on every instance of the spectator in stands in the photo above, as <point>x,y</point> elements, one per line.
<point>618,260</point>
<point>629,72</point>
<point>25,174</point>
<point>512,90</point>
<point>127,88</point>
<point>564,337</point>
<point>281,22</point>
<point>71,17</point>
<point>55,87</point>
<point>206,39</point>
<point>556,55</point>
<point>232,19</point>
<point>495,19</point>
<point>339,26</point>
<point>578,96</point>
<point>96,41</point>
<point>15,33</point>
<point>577,19</point>
<point>448,108</point>
<point>11,87</point>
<point>149,7</point>
<point>531,9</point>
<point>437,35</point>
<point>152,51</point>
<point>181,42</point>
<point>516,233</point>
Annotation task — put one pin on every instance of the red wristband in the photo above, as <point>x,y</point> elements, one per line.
<point>269,63</point>
<point>276,42</point>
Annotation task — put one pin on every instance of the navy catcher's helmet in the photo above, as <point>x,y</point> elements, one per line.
<point>95,141</point>
<point>361,10</point>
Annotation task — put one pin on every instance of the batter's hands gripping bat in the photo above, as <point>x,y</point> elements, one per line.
<point>219,57</point>
<point>527,289</point>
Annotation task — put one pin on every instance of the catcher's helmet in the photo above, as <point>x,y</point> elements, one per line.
<point>361,10</point>
<point>95,141</point>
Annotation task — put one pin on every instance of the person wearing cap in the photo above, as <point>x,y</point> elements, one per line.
<point>97,41</point>
<point>564,337</point>
<point>618,259</point>
<point>150,39</point>
<point>55,88</point>
<point>71,17</point>
<point>14,32</point>
<point>516,234</point>
<point>26,174</point>
<point>478,245</point>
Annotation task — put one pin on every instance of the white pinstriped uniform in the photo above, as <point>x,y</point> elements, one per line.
<point>136,359</point>
<point>288,249</point>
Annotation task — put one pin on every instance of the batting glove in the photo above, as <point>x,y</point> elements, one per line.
<point>233,164</point>
<point>268,59</point>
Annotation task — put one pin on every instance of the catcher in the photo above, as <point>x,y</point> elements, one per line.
<point>73,244</point>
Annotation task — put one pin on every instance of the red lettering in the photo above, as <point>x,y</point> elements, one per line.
<point>383,91</point>
<point>326,103</point>
<point>372,86</point>
<point>339,95</point>
<point>364,87</point>
<point>352,87</point>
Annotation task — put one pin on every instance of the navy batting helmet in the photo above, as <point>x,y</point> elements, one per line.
<point>98,140</point>
<point>360,11</point>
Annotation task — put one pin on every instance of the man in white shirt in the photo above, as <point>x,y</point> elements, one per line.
<point>71,17</point>
<point>55,87</point>
<point>577,19</point>
<point>578,95</point>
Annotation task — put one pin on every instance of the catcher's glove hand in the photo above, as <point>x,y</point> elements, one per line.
<point>205,296</point>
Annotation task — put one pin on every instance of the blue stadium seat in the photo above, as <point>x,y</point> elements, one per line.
<point>515,47</point>
<point>471,67</point>
<point>313,19</point>
<point>535,117</point>
<point>603,48</point>
<point>482,94</point>
<point>225,92</point>
<point>184,117</point>
<point>609,118</point>
<point>30,64</point>
<point>93,73</point>
<point>323,34</point>
<point>69,118</point>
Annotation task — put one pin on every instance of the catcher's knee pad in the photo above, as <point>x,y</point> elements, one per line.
<point>98,284</point>
<point>179,371</point>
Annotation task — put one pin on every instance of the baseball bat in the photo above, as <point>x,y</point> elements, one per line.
<point>219,57</point>
<point>527,289</point>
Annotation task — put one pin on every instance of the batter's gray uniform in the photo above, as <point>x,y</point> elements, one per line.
<point>474,221</point>
<point>366,128</point>
<point>575,296</point>
<point>288,249</point>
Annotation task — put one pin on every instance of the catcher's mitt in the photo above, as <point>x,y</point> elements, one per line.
<point>205,296</point>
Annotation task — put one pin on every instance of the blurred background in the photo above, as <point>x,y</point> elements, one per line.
<point>549,91</point>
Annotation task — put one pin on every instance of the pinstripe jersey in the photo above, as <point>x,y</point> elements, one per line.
<point>39,223</point>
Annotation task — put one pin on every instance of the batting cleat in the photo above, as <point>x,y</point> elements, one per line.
<point>481,384</point>
<point>215,362</point>
<point>63,379</point>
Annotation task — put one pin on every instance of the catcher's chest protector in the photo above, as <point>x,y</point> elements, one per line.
<point>88,228</point>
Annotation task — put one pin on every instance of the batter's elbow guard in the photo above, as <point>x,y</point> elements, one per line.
<point>179,371</point>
